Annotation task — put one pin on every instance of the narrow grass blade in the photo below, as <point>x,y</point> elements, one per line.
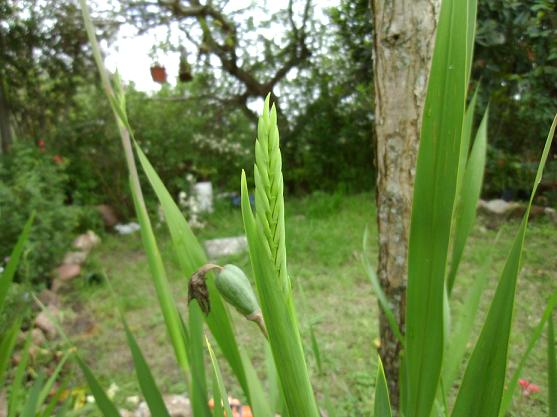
<point>32,402</point>
<point>465,213</point>
<point>52,404</point>
<point>17,388</point>
<point>382,405</point>
<point>259,402</point>
<point>466,138</point>
<point>164,294</point>
<point>551,368</point>
<point>279,315</point>
<point>482,386</point>
<point>381,297</point>
<point>220,390</point>
<point>433,203</point>
<point>7,276</point>
<point>105,404</point>
<point>7,344</point>
<point>536,334</point>
<point>52,378</point>
<point>465,316</point>
<point>191,256</point>
<point>145,378</point>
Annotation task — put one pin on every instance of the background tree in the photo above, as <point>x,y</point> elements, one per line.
<point>250,49</point>
<point>44,57</point>
<point>403,44</point>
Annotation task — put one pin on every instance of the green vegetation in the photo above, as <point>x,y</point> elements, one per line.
<point>324,232</point>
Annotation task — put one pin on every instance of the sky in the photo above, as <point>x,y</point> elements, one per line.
<point>130,53</point>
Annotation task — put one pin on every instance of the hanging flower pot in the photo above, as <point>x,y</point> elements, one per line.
<point>158,73</point>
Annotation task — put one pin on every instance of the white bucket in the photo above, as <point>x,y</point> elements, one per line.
<point>203,192</point>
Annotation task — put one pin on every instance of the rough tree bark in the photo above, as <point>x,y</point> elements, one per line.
<point>5,128</point>
<point>403,44</point>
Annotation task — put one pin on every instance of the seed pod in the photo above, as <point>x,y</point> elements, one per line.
<point>236,289</point>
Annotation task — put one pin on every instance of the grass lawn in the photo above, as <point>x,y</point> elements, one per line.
<point>324,241</point>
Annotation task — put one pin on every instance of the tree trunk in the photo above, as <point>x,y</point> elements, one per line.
<point>403,44</point>
<point>5,127</point>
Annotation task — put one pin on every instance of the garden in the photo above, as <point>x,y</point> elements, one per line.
<point>300,209</point>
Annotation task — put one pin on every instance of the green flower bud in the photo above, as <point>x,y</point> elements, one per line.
<point>236,289</point>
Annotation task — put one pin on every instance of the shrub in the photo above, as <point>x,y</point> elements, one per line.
<point>34,180</point>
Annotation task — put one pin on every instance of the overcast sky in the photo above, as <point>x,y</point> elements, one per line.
<point>130,54</point>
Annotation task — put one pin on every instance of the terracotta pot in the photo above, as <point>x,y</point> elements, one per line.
<point>158,74</point>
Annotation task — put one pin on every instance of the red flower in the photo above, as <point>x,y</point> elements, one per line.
<point>58,160</point>
<point>41,145</point>
<point>528,388</point>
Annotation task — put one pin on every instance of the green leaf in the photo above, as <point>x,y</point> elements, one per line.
<point>465,316</point>
<point>145,378</point>
<point>7,276</point>
<point>191,256</point>
<point>105,404</point>
<point>551,368</point>
<point>219,394</point>
<point>32,403</point>
<point>482,386</point>
<point>382,405</point>
<point>433,203</point>
<point>164,293</point>
<point>278,311</point>
<point>536,334</point>
<point>465,213</point>
<point>18,381</point>
<point>53,377</point>
<point>381,297</point>
<point>7,344</point>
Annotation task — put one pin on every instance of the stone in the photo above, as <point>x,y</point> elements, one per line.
<point>86,241</point>
<point>218,248</point>
<point>48,297</point>
<point>77,257</point>
<point>177,405</point>
<point>44,322</point>
<point>67,272</point>
<point>499,210</point>
<point>108,215</point>
<point>38,337</point>
<point>500,207</point>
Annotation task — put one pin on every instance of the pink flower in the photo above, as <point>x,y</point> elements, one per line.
<point>58,160</point>
<point>528,388</point>
<point>41,144</point>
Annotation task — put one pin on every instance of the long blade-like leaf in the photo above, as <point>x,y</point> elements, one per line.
<point>105,404</point>
<point>382,405</point>
<point>221,390</point>
<point>381,297</point>
<point>536,334</point>
<point>280,319</point>
<point>18,381</point>
<point>7,276</point>
<point>465,213</point>
<point>191,256</point>
<point>433,202</point>
<point>551,368</point>
<point>466,315</point>
<point>7,344</point>
<point>32,401</point>
<point>145,378</point>
<point>482,386</point>
<point>164,294</point>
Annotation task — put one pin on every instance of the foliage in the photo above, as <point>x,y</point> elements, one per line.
<point>443,154</point>
<point>33,180</point>
<point>45,56</point>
